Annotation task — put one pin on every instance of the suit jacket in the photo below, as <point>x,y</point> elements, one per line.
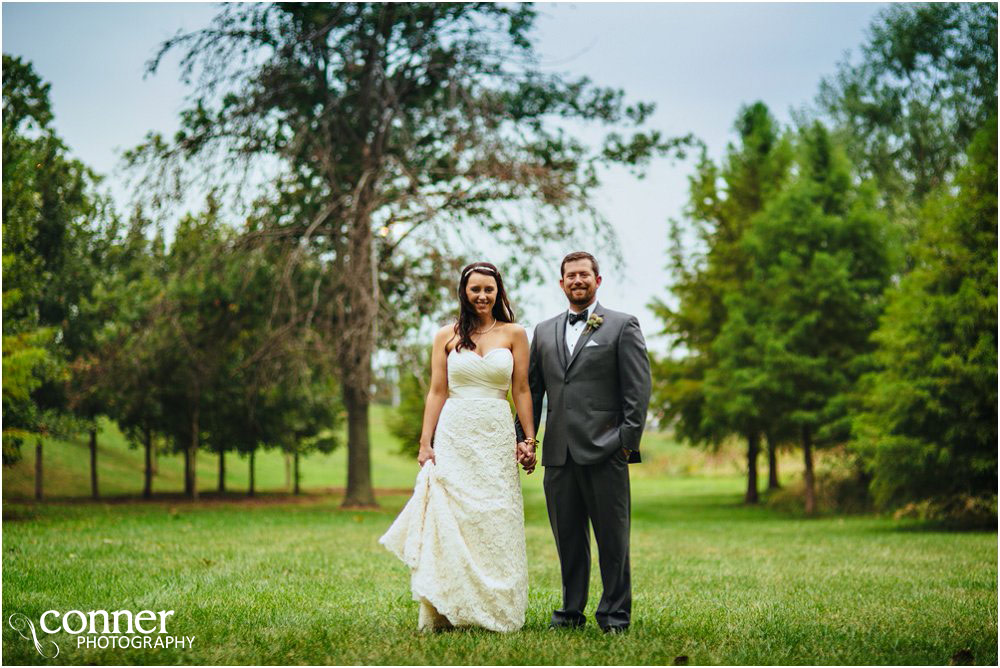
<point>598,396</point>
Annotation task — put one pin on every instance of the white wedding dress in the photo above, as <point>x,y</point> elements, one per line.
<point>462,531</point>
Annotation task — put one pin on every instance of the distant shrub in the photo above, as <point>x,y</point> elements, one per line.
<point>405,422</point>
<point>960,511</point>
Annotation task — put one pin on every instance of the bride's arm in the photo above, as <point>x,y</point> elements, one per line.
<point>520,388</point>
<point>436,395</point>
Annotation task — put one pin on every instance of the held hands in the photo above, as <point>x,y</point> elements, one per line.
<point>526,456</point>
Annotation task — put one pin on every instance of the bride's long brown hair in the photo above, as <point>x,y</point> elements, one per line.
<point>468,320</point>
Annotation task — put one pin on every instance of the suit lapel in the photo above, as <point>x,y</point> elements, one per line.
<point>584,337</point>
<point>560,329</point>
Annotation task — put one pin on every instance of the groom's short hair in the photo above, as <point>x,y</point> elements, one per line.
<point>579,255</point>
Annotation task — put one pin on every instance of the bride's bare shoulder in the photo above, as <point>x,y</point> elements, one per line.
<point>515,331</point>
<point>445,334</point>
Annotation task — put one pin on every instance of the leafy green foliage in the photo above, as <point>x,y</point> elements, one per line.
<point>27,362</point>
<point>926,82</point>
<point>406,420</point>
<point>929,421</point>
<point>51,214</point>
<point>821,257</point>
<point>720,216</point>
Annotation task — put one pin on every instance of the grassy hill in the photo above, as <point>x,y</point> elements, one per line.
<point>120,467</point>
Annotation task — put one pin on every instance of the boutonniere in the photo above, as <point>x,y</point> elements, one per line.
<point>593,322</point>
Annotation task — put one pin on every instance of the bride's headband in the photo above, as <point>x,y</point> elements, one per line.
<point>472,269</point>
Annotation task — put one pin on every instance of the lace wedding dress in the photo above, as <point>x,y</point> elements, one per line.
<point>462,531</point>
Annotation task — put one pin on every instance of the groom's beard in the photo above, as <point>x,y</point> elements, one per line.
<point>582,301</point>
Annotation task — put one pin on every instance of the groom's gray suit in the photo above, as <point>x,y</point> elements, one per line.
<point>597,401</point>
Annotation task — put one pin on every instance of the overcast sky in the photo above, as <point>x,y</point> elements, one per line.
<point>698,62</point>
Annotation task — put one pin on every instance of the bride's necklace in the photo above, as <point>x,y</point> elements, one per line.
<point>488,328</point>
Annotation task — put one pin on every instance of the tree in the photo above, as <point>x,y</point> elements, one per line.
<point>194,326</point>
<point>739,395</point>
<point>929,425</point>
<point>51,216</point>
<point>927,81</point>
<point>27,361</point>
<point>107,256</point>
<point>284,398</point>
<point>389,127</point>
<point>406,420</point>
<point>752,173</point>
<point>129,370</point>
<point>798,336</point>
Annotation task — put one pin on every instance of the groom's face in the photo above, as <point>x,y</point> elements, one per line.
<point>579,282</point>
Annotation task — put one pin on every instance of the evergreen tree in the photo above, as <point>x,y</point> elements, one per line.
<point>799,330</point>
<point>929,425</point>
<point>753,172</point>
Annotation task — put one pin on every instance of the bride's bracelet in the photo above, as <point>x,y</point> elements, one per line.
<point>532,442</point>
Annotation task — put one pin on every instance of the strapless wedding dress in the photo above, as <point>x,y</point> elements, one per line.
<point>462,531</point>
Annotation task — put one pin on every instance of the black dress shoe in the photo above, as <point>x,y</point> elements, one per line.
<point>615,630</point>
<point>566,625</point>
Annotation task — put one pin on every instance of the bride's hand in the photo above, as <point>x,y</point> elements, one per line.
<point>425,455</point>
<point>526,457</point>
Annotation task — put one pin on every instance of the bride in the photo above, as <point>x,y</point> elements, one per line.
<point>462,531</point>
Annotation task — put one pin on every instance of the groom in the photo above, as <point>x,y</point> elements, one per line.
<point>592,364</point>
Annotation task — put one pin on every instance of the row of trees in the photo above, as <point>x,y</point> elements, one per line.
<point>842,285</point>
<point>176,345</point>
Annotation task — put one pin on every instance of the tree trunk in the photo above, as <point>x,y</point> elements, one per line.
<point>156,457</point>
<point>147,483</point>
<point>288,472</point>
<point>93,464</point>
<point>359,469</point>
<point>357,335</point>
<point>193,448</point>
<point>772,464</point>
<point>222,472</point>
<point>187,472</point>
<point>809,477</point>
<point>753,449</point>
<point>250,489</point>
<point>38,469</point>
<point>296,473</point>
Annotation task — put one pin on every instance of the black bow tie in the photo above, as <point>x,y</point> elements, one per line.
<point>579,317</point>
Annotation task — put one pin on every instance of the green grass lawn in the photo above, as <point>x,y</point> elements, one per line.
<point>277,580</point>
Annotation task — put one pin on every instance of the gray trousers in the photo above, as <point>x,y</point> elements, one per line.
<point>579,496</point>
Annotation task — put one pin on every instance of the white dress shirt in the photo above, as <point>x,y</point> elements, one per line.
<point>574,331</point>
